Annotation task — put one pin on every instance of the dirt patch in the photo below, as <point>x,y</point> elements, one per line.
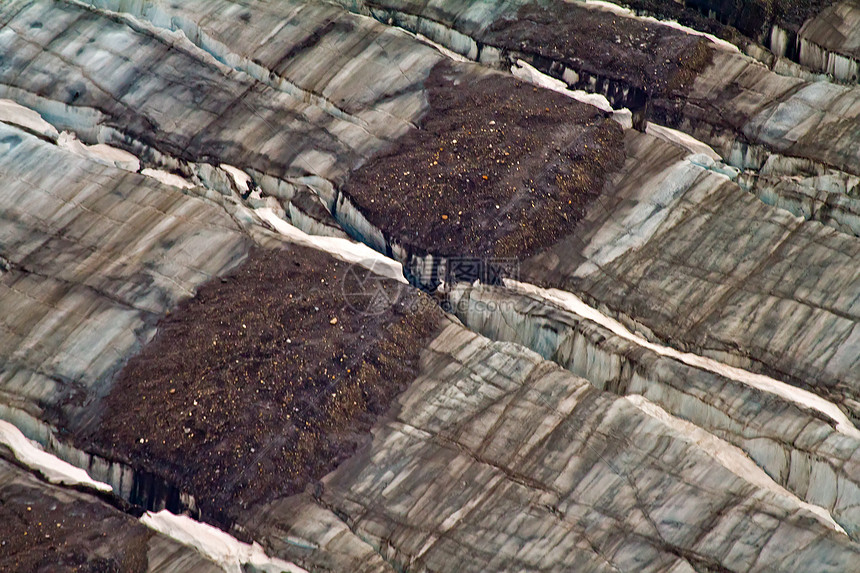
<point>659,60</point>
<point>696,18</point>
<point>752,17</point>
<point>47,530</point>
<point>644,55</point>
<point>792,14</point>
<point>497,168</point>
<point>264,381</point>
<point>724,18</point>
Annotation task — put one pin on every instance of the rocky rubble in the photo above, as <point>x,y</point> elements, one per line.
<point>273,344</point>
<point>48,528</point>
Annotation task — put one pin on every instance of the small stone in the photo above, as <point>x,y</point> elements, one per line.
<point>333,321</point>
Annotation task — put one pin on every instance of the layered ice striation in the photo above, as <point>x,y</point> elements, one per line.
<point>677,390</point>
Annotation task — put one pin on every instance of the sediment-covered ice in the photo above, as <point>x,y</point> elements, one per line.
<point>765,383</point>
<point>495,458</point>
<point>729,456</point>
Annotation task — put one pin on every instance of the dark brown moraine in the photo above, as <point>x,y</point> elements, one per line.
<point>497,168</point>
<point>46,528</point>
<point>263,382</point>
<point>661,61</point>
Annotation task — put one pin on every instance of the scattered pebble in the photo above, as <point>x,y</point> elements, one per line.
<point>478,172</point>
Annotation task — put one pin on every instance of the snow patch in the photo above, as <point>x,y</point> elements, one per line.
<point>802,398</point>
<point>168,178</point>
<point>722,44</point>
<point>628,13</point>
<point>445,51</point>
<point>16,114</point>
<point>523,71</point>
<point>100,152</point>
<point>607,7</point>
<point>344,249</point>
<point>681,139</point>
<point>216,545</point>
<point>701,154</point>
<point>730,457</point>
<point>240,178</point>
<point>20,116</point>
<point>34,457</point>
